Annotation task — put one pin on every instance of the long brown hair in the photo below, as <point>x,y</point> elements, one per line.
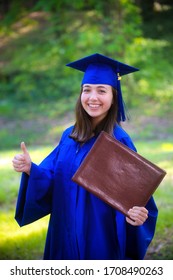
<point>83,130</point>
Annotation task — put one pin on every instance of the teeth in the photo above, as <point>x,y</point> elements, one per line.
<point>93,105</point>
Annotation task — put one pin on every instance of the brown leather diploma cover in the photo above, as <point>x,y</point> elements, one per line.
<point>117,175</point>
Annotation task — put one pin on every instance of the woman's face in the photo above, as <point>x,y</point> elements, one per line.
<point>96,101</point>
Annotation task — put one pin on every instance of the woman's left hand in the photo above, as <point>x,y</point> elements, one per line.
<point>138,215</point>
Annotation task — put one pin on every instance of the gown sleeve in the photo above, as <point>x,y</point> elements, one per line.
<point>137,238</point>
<point>35,192</point>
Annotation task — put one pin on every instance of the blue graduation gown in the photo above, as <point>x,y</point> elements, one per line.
<point>81,226</point>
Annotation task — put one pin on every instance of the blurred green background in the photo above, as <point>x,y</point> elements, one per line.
<point>38,94</point>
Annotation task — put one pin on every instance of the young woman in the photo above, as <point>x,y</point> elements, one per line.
<point>81,225</point>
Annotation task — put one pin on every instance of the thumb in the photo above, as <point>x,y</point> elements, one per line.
<point>23,148</point>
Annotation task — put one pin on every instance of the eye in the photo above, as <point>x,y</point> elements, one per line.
<point>102,91</point>
<point>86,90</point>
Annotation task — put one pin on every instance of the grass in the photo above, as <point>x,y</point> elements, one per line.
<point>21,243</point>
<point>15,242</point>
<point>28,242</point>
<point>161,153</point>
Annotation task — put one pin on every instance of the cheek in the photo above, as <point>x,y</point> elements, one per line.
<point>109,102</point>
<point>108,106</point>
<point>83,99</point>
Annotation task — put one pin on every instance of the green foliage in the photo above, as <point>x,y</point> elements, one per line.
<point>154,79</point>
<point>40,44</point>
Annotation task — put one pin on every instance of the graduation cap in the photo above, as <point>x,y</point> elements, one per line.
<point>100,69</point>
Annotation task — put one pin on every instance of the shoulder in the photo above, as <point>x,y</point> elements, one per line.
<point>121,135</point>
<point>66,133</point>
<point>119,132</point>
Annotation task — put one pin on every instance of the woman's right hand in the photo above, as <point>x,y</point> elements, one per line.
<point>22,162</point>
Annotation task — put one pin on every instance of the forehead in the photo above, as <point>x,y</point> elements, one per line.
<point>97,86</point>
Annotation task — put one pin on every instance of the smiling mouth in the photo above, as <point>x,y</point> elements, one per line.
<point>94,106</point>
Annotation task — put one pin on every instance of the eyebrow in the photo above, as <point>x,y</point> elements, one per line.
<point>88,86</point>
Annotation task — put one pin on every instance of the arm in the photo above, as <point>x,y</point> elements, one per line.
<point>35,193</point>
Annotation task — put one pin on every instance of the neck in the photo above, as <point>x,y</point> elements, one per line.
<point>95,122</point>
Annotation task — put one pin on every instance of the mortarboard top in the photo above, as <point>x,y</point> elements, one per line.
<point>100,69</point>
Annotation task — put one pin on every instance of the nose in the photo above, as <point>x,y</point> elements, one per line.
<point>93,95</point>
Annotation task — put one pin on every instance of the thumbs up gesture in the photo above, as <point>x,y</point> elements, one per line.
<point>22,162</point>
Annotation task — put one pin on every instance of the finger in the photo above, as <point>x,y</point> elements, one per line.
<point>138,215</point>
<point>23,148</point>
<point>133,222</point>
<point>17,168</point>
<point>18,158</point>
<point>130,221</point>
<point>136,219</point>
<point>141,209</point>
